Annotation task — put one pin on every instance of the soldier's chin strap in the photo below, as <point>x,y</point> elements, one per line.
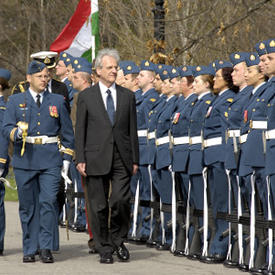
<point>7,183</point>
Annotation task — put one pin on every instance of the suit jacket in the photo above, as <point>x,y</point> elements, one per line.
<point>96,136</point>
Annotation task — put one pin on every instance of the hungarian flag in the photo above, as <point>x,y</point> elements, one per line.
<point>80,37</point>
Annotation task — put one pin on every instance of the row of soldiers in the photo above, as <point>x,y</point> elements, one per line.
<point>205,187</point>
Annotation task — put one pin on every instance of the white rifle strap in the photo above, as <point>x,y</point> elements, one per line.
<point>163,238</point>
<point>136,203</point>
<point>187,221</point>
<point>240,226</point>
<point>152,200</point>
<point>229,256</point>
<point>174,212</point>
<point>252,221</point>
<point>75,201</point>
<point>205,213</point>
<point>270,230</point>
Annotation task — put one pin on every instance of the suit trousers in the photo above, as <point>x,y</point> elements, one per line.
<point>110,229</point>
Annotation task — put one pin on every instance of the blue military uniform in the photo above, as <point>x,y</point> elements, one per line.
<point>37,171</point>
<point>144,104</point>
<point>68,60</point>
<point>4,162</point>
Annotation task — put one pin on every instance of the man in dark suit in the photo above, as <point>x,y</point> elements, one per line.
<point>107,152</point>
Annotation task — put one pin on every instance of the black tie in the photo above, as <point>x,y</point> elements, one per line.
<point>110,106</point>
<point>38,100</point>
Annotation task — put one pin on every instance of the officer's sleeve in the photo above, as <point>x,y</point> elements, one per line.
<point>9,127</point>
<point>4,145</point>
<point>80,129</point>
<point>66,132</point>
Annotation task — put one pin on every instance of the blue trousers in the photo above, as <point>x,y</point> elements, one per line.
<point>37,192</point>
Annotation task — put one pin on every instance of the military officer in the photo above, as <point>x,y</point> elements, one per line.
<point>65,59</point>
<point>143,106</point>
<point>33,121</point>
<point>179,131</point>
<point>203,87</point>
<point>5,76</point>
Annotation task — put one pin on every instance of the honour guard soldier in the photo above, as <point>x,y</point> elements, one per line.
<point>5,76</point>
<point>144,105</point>
<point>214,131</point>
<point>163,155</point>
<point>155,236</point>
<point>65,59</point>
<point>179,131</point>
<point>34,121</point>
<point>202,86</point>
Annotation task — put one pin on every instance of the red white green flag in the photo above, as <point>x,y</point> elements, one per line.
<point>80,37</point>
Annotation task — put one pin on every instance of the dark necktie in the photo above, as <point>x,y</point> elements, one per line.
<point>38,100</point>
<point>110,106</point>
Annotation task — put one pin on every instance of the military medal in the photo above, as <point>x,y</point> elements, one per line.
<point>176,118</point>
<point>53,111</point>
<point>245,115</point>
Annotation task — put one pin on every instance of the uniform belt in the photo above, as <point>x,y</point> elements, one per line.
<point>195,140</point>
<point>162,140</point>
<point>41,139</point>
<point>212,141</point>
<point>151,135</point>
<point>142,133</point>
<point>234,133</point>
<point>180,140</point>
<point>243,138</point>
<point>254,124</point>
<point>270,134</point>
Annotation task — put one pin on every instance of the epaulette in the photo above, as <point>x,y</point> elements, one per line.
<point>230,99</point>
<point>208,102</point>
<point>19,86</point>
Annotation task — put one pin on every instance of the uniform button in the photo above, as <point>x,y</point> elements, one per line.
<point>38,133</point>
<point>38,123</point>
<point>38,114</point>
<point>253,110</point>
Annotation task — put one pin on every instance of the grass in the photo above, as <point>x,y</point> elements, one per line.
<point>11,195</point>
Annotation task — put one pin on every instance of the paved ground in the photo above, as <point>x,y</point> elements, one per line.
<point>73,257</point>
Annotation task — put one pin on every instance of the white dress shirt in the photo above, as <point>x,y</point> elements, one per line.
<point>34,95</point>
<point>103,90</point>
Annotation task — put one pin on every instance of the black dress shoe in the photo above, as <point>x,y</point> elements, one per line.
<point>122,253</point>
<point>165,246</point>
<point>28,259</point>
<point>151,243</point>
<point>179,253</point>
<point>93,250</point>
<point>243,267</point>
<point>194,257</point>
<point>106,258</point>
<point>1,252</point>
<point>78,228</point>
<point>46,256</point>
<point>256,271</point>
<point>230,264</point>
<point>62,224</point>
<point>213,259</point>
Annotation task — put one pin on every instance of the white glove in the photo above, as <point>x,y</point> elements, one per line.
<point>19,132</point>
<point>65,170</point>
<point>1,172</point>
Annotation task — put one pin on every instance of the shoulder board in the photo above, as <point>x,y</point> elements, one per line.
<point>208,102</point>
<point>230,99</point>
<point>152,99</point>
